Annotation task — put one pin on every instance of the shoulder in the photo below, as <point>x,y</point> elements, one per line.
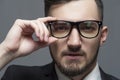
<point>110,77</point>
<point>26,69</point>
<point>29,68</point>
<point>106,76</point>
<point>19,72</point>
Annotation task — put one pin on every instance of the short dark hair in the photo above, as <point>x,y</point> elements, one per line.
<point>49,3</point>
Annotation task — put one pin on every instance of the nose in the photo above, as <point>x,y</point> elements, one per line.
<point>74,40</point>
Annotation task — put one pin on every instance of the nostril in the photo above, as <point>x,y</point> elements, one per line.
<point>74,48</point>
<point>74,45</point>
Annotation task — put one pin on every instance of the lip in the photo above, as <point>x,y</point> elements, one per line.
<point>73,55</point>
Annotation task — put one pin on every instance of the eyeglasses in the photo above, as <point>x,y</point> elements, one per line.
<point>61,29</point>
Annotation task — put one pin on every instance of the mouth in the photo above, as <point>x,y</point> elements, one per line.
<point>73,55</point>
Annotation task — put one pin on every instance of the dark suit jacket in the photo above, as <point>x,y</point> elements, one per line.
<point>46,72</point>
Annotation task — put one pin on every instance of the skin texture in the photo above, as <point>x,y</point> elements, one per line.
<point>76,55</point>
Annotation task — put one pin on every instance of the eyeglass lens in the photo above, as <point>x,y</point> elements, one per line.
<point>62,29</point>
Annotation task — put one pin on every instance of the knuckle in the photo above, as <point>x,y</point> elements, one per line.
<point>18,20</point>
<point>39,19</point>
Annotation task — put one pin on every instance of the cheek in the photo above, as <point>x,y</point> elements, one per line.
<point>91,48</point>
<point>57,48</point>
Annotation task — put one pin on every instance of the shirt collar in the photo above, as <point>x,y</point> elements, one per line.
<point>93,75</point>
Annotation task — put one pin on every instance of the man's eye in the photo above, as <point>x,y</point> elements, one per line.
<point>88,28</point>
<point>61,27</point>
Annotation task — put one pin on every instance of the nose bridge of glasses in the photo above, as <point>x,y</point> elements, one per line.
<point>75,25</point>
<point>74,29</point>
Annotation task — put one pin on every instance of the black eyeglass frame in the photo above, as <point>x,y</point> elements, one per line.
<point>75,24</point>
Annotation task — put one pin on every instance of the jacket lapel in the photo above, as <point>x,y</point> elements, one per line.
<point>49,72</point>
<point>105,76</point>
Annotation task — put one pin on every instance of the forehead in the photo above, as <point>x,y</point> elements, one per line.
<point>77,10</point>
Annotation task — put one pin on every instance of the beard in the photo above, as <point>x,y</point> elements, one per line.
<point>72,68</point>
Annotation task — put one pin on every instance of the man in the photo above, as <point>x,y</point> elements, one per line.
<point>74,33</point>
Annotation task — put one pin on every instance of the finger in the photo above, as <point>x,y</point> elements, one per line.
<point>43,21</point>
<point>46,19</point>
<point>41,30</point>
<point>27,26</point>
<point>46,32</point>
<point>44,44</point>
<point>52,40</point>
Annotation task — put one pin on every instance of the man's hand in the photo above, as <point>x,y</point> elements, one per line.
<point>19,41</point>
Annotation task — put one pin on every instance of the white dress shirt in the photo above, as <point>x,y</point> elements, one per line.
<point>93,75</point>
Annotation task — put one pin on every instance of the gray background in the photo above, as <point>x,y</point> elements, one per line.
<point>109,54</point>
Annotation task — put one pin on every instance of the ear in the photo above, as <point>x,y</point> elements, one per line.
<point>104,33</point>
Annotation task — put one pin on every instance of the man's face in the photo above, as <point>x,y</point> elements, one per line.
<point>75,54</point>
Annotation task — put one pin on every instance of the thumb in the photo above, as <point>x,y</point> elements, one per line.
<point>52,40</point>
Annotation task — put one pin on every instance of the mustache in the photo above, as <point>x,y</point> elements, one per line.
<point>71,53</point>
